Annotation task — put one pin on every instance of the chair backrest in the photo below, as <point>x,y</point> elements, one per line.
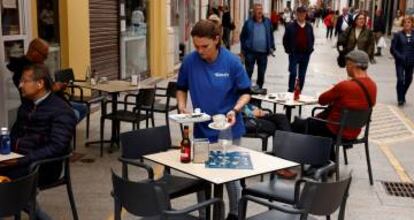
<point>144,198</point>
<point>16,195</point>
<point>324,198</point>
<point>355,118</point>
<point>64,75</point>
<point>172,89</point>
<point>145,97</point>
<point>140,142</point>
<point>302,148</point>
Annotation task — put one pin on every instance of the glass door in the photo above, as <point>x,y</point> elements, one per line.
<point>13,43</point>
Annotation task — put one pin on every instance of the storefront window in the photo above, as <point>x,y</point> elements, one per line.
<point>14,48</point>
<point>134,43</point>
<point>48,29</point>
<point>10,18</point>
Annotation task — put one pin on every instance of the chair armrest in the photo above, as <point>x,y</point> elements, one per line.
<point>36,164</point>
<point>322,173</point>
<point>72,87</point>
<point>148,168</point>
<point>317,108</point>
<point>286,209</point>
<point>267,110</point>
<point>198,206</point>
<point>324,120</point>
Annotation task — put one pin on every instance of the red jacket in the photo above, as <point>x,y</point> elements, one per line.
<point>348,94</point>
<point>328,21</point>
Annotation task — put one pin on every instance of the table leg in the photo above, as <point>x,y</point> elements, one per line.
<point>115,127</point>
<point>218,193</point>
<point>289,112</point>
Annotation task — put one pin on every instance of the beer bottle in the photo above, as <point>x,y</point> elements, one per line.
<point>185,146</point>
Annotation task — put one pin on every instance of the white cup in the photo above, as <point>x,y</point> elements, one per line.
<point>197,111</point>
<point>219,120</point>
<point>281,96</point>
<point>134,80</point>
<point>104,79</point>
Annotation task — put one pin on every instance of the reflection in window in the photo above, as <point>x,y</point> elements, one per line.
<point>10,19</point>
<point>48,20</point>
<point>13,49</point>
<point>136,17</point>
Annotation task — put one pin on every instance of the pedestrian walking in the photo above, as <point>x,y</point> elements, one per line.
<point>397,22</point>
<point>379,30</point>
<point>358,36</point>
<point>257,43</point>
<point>298,42</point>
<point>344,21</point>
<point>228,26</point>
<point>402,48</point>
<point>329,22</point>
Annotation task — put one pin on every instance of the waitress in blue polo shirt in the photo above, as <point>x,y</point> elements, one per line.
<point>218,84</point>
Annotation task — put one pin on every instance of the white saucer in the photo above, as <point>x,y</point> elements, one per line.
<point>213,126</point>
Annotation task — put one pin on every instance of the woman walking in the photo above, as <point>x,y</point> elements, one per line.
<point>402,48</point>
<point>358,36</point>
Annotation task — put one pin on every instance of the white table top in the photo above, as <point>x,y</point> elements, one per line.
<point>10,156</point>
<point>288,101</point>
<point>114,86</point>
<point>262,163</point>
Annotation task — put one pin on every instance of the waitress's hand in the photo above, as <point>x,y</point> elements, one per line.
<point>231,117</point>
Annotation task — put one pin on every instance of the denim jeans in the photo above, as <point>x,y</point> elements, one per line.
<point>261,59</point>
<point>404,79</point>
<point>298,64</point>
<point>80,110</point>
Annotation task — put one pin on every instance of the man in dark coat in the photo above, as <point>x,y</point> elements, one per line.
<point>298,42</point>
<point>43,129</point>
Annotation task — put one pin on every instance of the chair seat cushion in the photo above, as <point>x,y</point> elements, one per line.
<point>182,217</point>
<point>274,214</point>
<point>128,116</point>
<point>159,107</point>
<point>178,186</point>
<point>277,189</point>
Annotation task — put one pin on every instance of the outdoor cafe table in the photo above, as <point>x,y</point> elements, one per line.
<point>288,102</point>
<point>262,164</point>
<point>10,156</point>
<point>114,87</point>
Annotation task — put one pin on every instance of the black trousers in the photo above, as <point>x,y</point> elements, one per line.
<point>270,123</point>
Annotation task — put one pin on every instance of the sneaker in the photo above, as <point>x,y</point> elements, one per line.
<point>286,174</point>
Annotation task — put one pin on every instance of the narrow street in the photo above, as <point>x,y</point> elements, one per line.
<point>391,146</point>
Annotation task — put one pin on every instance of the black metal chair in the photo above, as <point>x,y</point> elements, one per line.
<point>350,119</point>
<point>135,144</point>
<point>67,76</point>
<point>300,148</point>
<point>145,97</point>
<point>150,200</point>
<point>19,195</point>
<point>311,198</point>
<point>165,106</point>
<point>63,179</point>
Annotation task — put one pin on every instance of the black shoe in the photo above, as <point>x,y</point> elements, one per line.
<point>232,217</point>
<point>401,103</point>
<point>377,54</point>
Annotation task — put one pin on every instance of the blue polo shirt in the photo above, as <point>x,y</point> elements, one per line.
<point>214,88</point>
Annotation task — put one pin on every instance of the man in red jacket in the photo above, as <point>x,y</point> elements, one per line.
<point>346,94</point>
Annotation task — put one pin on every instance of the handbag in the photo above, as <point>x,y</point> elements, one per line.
<point>341,59</point>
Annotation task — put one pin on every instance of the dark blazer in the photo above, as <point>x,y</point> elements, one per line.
<point>43,131</point>
<point>365,41</point>
<point>341,20</point>
<point>289,38</point>
<point>401,49</point>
